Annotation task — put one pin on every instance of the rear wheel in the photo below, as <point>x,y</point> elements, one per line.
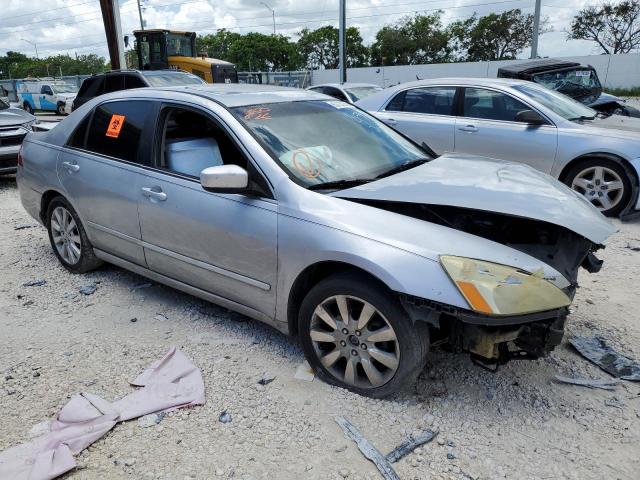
<point>60,109</point>
<point>27,107</point>
<point>69,239</point>
<point>605,183</point>
<point>356,335</point>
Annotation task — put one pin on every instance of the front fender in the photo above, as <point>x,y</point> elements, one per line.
<point>302,244</point>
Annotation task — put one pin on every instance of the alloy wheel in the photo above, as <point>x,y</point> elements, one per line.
<point>66,236</point>
<point>354,342</point>
<point>602,186</point>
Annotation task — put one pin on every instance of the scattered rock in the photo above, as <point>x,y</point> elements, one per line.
<point>225,417</point>
<point>614,402</point>
<point>266,379</point>
<point>88,289</point>
<point>133,320</point>
<point>451,456</point>
<point>129,462</point>
<point>161,317</point>
<point>34,283</point>
<point>150,420</point>
<point>24,226</point>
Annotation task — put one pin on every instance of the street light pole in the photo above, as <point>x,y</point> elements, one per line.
<point>34,45</point>
<point>342,47</point>
<point>536,28</point>
<point>273,15</point>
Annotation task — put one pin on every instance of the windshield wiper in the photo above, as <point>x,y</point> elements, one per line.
<point>403,166</point>
<point>582,118</point>
<point>340,184</point>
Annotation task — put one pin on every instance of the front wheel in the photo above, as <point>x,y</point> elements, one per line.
<point>603,182</point>
<point>60,109</point>
<point>356,335</point>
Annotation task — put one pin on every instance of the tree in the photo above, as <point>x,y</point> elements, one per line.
<point>412,40</point>
<point>259,52</point>
<point>615,28</point>
<point>319,48</point>
<point>497,36</point>
<point>18,65</point>
<point>218,44</point>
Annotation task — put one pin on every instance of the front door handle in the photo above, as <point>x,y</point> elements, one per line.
<point>391,121</point>
<point>468,128</point>
<point>156,194</point>
<point>71,167</point>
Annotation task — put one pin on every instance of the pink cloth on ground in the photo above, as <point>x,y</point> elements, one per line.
<point>169,383</point>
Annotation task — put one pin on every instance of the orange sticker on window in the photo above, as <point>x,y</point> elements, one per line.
<point>257,113</point>
<point>115,125</point>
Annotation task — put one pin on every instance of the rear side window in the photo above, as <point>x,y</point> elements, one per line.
<point>80,133</point>
<point>432,100</point>
<point>116,129</point>
<point>92,87</point>
<point>113,83</point>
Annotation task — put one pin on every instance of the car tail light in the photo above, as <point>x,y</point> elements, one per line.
<point>20,158</point>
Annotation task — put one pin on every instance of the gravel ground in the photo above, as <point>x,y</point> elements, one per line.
<point>515,423</point>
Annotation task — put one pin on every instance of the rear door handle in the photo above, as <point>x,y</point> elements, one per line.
<point>71,167</point>
<point>391,121</point>
<point>468,128</point>
<point>155,194</point>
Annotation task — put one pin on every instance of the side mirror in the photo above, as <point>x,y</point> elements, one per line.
<point>529,117</point>
<point>224,179</point>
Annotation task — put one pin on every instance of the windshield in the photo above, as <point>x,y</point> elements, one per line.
<point>358,93</point>
<point>172,79</point>
<point>179,44</point>
<point>319,142</point>
<point>576,82</point>
<point>557,102</point>
<point>64,88</point>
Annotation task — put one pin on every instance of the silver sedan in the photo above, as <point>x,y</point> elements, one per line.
<point>522,122</point>
<point>308,214</point>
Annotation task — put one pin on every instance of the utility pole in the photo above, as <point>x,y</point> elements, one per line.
<point>536,29</point>
<point>140,14</point>
<point>273,15</point>
<point>342,43</point>
<point>34,46</point>
<point>115,42</point>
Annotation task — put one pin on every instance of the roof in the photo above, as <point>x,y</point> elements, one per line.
<point>346,85</point>
<point>240,94</point>
<point>535,66</point>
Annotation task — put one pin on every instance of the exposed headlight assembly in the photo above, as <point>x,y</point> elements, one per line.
<point>495,289</point>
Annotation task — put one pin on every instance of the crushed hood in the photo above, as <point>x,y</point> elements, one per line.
<point>14,116</point>
<point>492,185</point>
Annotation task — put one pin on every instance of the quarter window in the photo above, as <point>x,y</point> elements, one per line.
<point>116,129</point>
<point>491,105</point>
<point>429,100</point>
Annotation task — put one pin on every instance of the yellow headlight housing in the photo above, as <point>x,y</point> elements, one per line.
<point>496,289</point>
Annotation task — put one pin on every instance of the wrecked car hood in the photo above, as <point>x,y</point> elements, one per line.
<point>492,185</point>
<point>14,116</point>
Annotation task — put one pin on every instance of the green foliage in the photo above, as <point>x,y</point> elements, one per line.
<point>411,41</point>
<point>320,48</point>
<point>496,36</point>
<point>624,92</point>
<point>614,27</point>
<point>18,65</point>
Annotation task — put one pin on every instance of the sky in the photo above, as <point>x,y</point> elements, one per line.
<point>75,26</point>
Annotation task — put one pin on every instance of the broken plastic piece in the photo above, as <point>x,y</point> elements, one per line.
<point>587,382</point>
<point>367,449</point>
<point>597,351</point>
<point>304,372</point>
<point>408,446</point>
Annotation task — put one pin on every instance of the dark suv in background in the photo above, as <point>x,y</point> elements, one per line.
<point>115,80</point>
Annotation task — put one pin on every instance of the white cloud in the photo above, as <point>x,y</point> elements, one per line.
<point>75,26</point>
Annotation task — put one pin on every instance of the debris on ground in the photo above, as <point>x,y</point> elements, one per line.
<point>634,247</point>
<point>88,289</point>
<point>266,379</point>
<point>34,283</point>
<point>597,351</point>
<point>169,383</point>
<point>138,286</point>
<point>133,320</point>
<point>589,383</point>
<point>24,226</point>
<point>367,449</point>
<point>151,419</point>
<point>225,417</point>
<point>614,402</point>
<point>161,317</point>
<point>304,372</point>
<point>408,446</point>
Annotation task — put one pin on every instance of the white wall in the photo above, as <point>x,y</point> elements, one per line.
<point>614,71</point>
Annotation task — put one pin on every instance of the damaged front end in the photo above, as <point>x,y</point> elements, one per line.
<point>512,314</point>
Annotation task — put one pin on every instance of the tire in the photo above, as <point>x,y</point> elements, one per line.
<point>330,351</point>
<point>79,257</point>
<point>27,108</point>
<point>60,109</point>
<point>584,179</point>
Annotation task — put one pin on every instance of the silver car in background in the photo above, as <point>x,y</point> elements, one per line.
<point>310,215</point>
<point>523,122</point>
<point>349,92</point>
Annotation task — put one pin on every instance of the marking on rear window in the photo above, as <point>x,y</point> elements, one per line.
<point>257,113</point>
<point>115,125</point>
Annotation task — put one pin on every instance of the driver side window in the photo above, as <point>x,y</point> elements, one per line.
<point>46,90</point>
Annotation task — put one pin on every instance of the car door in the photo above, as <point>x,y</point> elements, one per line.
<point>101,168</point>
<point>47,100</point>
<point>424,114</point>
<point>225,244</point>
<point>488,127</point>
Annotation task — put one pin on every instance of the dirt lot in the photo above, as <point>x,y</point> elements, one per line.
<point>516,423</point>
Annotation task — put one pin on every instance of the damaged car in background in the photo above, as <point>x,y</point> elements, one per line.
<point>313,216</point>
